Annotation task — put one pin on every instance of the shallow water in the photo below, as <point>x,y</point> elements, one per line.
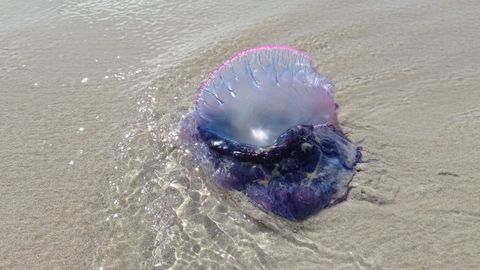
<point>92,176</point>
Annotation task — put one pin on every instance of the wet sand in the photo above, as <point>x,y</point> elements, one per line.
<point>91,175</point>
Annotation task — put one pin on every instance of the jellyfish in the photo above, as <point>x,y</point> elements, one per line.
<point>265,125</point>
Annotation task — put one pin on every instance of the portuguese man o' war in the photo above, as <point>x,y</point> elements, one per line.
<point>265,125</point>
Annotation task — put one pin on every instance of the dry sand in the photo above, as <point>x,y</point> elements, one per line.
<point>90,94</point>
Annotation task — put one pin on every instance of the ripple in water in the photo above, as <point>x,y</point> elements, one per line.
<point>161,215</point>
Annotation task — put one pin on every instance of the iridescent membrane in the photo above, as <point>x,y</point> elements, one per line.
<point>265,125</point>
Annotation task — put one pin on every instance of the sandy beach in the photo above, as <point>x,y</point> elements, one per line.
<point>91,175</point>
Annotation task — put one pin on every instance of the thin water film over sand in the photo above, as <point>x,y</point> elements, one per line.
<point>92,175</point>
